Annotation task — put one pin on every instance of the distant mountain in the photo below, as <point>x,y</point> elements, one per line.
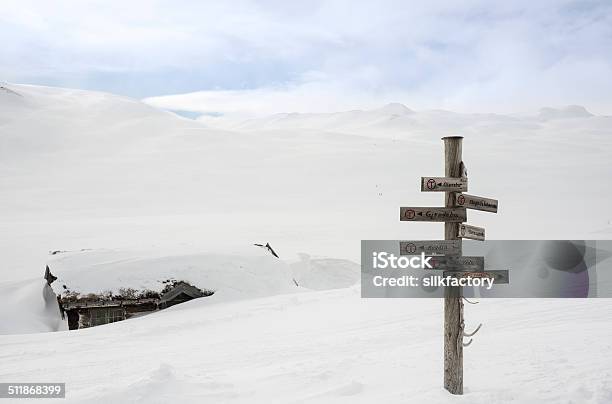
<point>340,121</point>
<point>395,119</point>
<point>571,111</point>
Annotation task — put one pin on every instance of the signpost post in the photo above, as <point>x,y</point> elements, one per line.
<point>448,252</point>
<point>453,304</point>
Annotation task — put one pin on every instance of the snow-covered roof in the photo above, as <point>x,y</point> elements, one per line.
<point>229,276</point>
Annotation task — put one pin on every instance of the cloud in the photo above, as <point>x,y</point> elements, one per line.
<point>256,57</point>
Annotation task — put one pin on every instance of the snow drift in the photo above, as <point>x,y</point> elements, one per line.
<point>31,306</point>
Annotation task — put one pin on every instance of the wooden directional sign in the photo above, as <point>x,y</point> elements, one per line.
<point>499,277</point>
<point>431,247</point>
<point>471,232</point>
<point>476,202</point>
<point>458,263</point>
<point>424,214</point>
<point>443,184</point>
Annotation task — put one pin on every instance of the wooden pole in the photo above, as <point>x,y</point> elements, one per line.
<point>453,304</point>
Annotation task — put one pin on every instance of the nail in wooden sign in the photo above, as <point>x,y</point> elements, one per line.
<point>431,247</point>
<point>425,214</point>
<point>443,184</point>
<point>471,232</point>
<point>476,202</point>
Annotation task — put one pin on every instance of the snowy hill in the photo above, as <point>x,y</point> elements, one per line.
<point>131,195</point>
<point>86,170</point>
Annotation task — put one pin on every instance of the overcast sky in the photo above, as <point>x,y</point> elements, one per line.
<point>273,56</point>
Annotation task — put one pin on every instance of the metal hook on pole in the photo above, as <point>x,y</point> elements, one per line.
<point>465,334</point>
<point>469,335</point>
<point>464,298</point>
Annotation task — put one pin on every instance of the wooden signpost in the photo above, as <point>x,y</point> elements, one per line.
<point>433,214</point>
<point>443,184</point>
<point>471,232</point>
<point>431,247</point>
<point>449,252</point>
<point>476,202</point>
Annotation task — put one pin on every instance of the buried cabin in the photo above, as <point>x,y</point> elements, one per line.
<point>93,309</point>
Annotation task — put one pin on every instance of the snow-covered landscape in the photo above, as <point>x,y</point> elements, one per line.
<point>188,191</point>
<point>143,195</point>
<point>327,346</point>
<point>86,170</point>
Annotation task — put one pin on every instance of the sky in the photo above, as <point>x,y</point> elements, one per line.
<point>317,56</point>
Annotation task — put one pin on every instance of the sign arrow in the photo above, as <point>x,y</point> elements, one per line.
<point>443,184</point>
<point>426,214</point>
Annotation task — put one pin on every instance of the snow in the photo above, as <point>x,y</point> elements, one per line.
<point>571,111</point>
<point>328,346</point>
<point>229,276</point>
<point>133,195</point>
<point>27,307</point>
<point>87,170</point>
